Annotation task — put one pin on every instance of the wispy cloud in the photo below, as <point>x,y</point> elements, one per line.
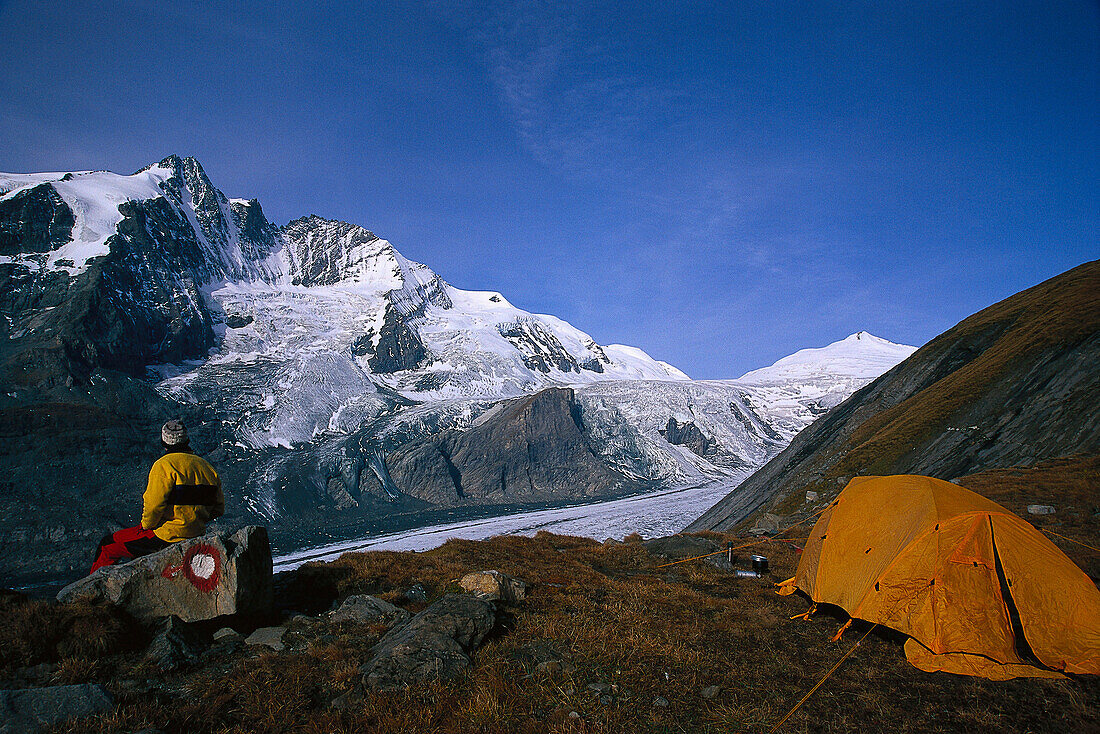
<point>572,106</point>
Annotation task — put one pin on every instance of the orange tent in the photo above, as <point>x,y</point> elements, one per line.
<point>978,590</point>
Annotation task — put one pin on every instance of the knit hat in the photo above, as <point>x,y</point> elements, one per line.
<point>174,433</point>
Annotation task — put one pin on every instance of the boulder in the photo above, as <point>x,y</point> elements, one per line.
<point>177,644</point>
<point>435,644</point>
<point>1040,510</point>
<point>494,586</point>
<point>268,637</point>
<point>679,547</point>
<point>767,524</point>
<point>32,709</point>
<point>416,592</point>
<point>367,609</point>
<point>228,636</point>
<point>194,579</point>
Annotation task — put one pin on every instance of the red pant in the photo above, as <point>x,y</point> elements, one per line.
<point>125,544</point>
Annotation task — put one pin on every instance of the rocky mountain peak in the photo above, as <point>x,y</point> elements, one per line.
<point>203,192</point>
<point>325,252</point>
<point>259,238</point>
<point>193,189</point>
<point>322,250</point>
<point>172,162</point>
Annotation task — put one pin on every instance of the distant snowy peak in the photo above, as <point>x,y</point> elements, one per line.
<point>860,355</point>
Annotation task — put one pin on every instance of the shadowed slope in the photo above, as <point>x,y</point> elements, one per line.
<point>1014,384</point>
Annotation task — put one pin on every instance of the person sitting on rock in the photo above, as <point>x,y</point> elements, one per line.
<point>184,492</point>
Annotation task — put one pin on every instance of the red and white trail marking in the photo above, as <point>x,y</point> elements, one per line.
<point>201,566</point>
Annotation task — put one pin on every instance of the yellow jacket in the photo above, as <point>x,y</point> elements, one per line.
<point>183,493</point>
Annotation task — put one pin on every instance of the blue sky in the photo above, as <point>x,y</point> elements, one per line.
<point>718,183</point>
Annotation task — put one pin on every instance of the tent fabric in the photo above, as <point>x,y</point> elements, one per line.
<point>979,590</point>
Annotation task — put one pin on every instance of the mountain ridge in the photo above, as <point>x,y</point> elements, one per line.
<point>1012,385</point>
<point>305,357</point>
<point>231,241</point>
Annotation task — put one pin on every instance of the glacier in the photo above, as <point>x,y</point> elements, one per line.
<point>315,349</point>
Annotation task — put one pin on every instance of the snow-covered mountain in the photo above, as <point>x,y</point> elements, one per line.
<point>321,315</point>
<point>686,432</point>
<point>649,433</point>
<point>324,368</point>
<point>350,323</point>
<point>861,356</point>
<point>320,328</point>
<point>232,239</point>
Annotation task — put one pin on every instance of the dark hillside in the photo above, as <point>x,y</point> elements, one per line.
<point>1013,385</point>
<point>532,450</point>
<point>74,461</point>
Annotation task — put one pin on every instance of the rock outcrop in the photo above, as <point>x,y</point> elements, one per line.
<point>680,547</point>
<point>271,637</point>
<point>436,643</point>
<point>494,586</point>
<point>30,710</point>
<point>195,579</point>
<point>366,609</point>
<point>689,436</point>
<point>543,351</point>
<point>176,644</point>
<point>530,449</point>
<point>34,220</point>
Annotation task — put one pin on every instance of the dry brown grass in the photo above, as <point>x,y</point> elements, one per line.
<point>615,618</point>
<point>1061,311</point>
<point>35,631</point>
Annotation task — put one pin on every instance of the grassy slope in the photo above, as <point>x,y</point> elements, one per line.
<point>987,353</point>
<point>609,612</point>
<point>1061,311</point>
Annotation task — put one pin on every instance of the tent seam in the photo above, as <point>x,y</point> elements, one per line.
<point>910,544</point>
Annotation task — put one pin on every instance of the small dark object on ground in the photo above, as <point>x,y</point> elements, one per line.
<point>177,644</point>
